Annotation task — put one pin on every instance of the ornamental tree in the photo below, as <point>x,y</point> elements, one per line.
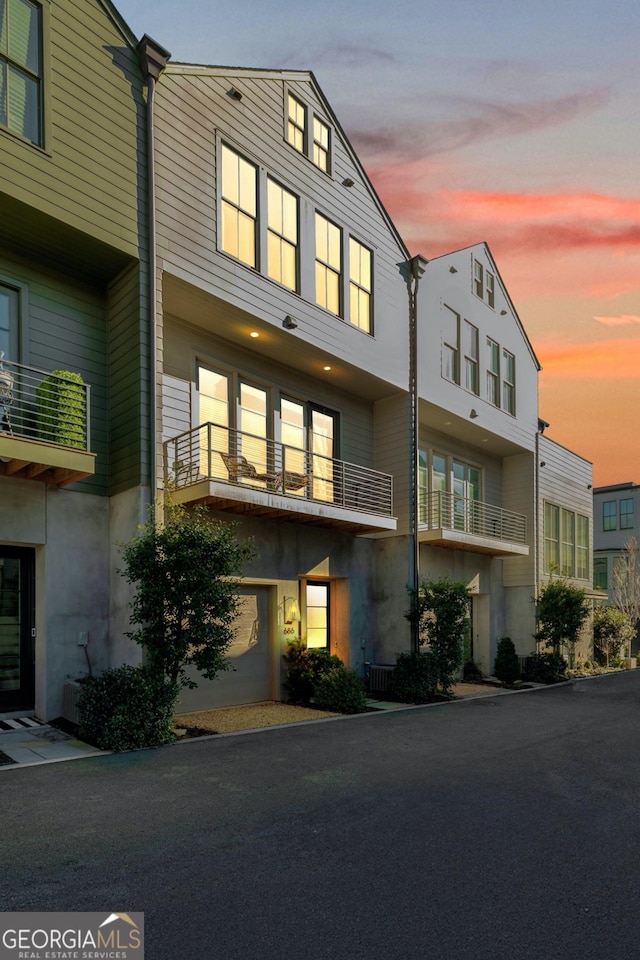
<point>612,633</point>
<point>186,602</point>
<point>442,612</point>
<point>562,611</point>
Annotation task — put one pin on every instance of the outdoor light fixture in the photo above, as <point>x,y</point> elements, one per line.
<point>348,182</point>
<point>234,94</point>
<point>291,612</point>
<point>254,334</point>
<point>474,414</point>
<point>326,367</point>
<point>289,323</point>
<point>503,313</point>
<point>543,463</point>
<point>452,270</point>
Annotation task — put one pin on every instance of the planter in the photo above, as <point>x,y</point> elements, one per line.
<point>61,409</point>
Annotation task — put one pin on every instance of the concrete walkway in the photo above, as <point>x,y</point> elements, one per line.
<point>28,741</point>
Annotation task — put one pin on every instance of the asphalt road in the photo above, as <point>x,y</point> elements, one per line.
<point>501,828</point>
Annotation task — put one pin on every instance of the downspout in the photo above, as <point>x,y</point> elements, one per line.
<point>153,59</point>
<point>417,265</point>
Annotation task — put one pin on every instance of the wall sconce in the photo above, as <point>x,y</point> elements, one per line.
<point>452,270</point>
<point>543,463</point>
<point>289,323</point>
<point>503,313</point>
<point>234,94</point>
<point>474,414</point>
<point>291,613</point>
<point>348,182</point>
<point>589,486</point>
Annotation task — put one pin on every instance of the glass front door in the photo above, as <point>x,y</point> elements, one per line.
<point>17,643</point>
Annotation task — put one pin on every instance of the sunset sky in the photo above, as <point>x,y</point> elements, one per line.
<point>507,121</point>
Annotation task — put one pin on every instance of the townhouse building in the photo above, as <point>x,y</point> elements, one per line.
<point>74,370</point>
<point>616,509</point>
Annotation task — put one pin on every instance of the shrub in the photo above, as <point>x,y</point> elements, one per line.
<point>506,666</point>
<point>612,634</point>
<point>471,671</point>
<point>127,708</point>
<point>441,610</point>
<point>61,409</point>
<point>305,668</point>
<point>342,691</point>
<point>415,678</point>
<point>545,668</point>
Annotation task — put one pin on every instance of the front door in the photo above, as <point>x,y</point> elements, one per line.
<point>17,643</point>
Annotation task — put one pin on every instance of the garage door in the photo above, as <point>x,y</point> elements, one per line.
<point>249,682</point>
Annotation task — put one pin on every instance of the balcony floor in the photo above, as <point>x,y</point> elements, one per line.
<point>472,543</point>
<point>26,459</point>
<point>249,502</point>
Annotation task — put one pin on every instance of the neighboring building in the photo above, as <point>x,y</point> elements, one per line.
<point>74,457</point>
<point>616,517</point>
<point>283,354</point>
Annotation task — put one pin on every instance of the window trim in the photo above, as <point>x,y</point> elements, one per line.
<point>44,88</point>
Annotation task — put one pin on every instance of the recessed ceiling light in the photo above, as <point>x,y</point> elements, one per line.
<point>326,368</point>
<point>254,334</point>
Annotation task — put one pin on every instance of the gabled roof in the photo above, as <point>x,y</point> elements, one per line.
<point>119,21</point>
<point>487,250</point>
<point>305,76</point>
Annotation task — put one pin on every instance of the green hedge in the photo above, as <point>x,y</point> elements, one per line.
<point>61,409</point>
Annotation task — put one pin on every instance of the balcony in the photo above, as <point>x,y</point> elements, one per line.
<point>241,473</point>
<point>447,520</point>
<point>44,426</point>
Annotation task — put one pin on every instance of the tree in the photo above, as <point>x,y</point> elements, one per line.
<point>442,612</point>
<point>187,599</point>
<point>612,632</point>
<point>506,666</point>
<point>562,612</point>
<point>625,583</point>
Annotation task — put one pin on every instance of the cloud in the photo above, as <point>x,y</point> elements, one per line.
<point>482,120</point>
<point>600,360</point>
<point>336,56</point>
<point>621,320</point>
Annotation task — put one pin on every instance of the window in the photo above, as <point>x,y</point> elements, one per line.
<point>493,372</point>
<point>318,615</point>
<point>626,514</point>
<point>9,317</point>
<point>21,68</point>
<point>296,123</point>
<point>478,279</point>
<point>451,346</point>
<point>508,382</point>
<point>449,492</point>
<point>321,144</point>
<point>470,350</point>
<point>282,235</point>
<point>566,542</point>
<point>359,285</point>
<point>491,295</point>
<point>328,264</point>
<point>609,515</point>
<point>600,573</point>
<point>238,207</point>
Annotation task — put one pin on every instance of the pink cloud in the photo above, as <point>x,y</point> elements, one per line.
<point>621,320</point>
<point>600,360</point>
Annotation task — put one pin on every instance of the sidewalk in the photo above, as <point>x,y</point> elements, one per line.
<point>27,741</point>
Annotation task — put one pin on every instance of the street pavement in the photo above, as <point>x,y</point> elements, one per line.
<point>498,828</point>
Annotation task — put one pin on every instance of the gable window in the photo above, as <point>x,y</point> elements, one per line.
<point>609,515</point>
<point>600,573</point>
<point>296,123</point>
<point>493,372</point>
<point>470,350</point>
<point>328,264</point>
<point>491,289</point>
<point>508,382</point>
<point>359,285</point>
<point>478,279</point>
<point>320,144</point>
<point>9,319</point>
<point>238,206</point>
<point>451,346</point>
<point>626,514</point>
<point>21,68</point>
<point>282,235</point>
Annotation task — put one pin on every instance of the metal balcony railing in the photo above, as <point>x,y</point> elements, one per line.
<point>216,452</point>
<point>48,407</point>
<point>446,510</point>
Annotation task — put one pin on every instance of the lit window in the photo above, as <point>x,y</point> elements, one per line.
<point>600,573</point>
<point>493,372</point>
<point>359,285</point>
<point>238,207</point>
<point>609,515</point>
<point>568,530</point>
<point>21,68</point>
<point>566,542</point>
<point>478,281</point>
<point>470,350</point>
<point>321,144</point>
<point>451,346</point>
<point>551,537</point>
<point>328,264</point>
<point>318,619</point>
<point>508,382</point>
<point>296,123</point>
<point>9,317</point>
<point>582,547</point>
<point>282,235</point>
<point>491,296</point>
<point>626,514</point>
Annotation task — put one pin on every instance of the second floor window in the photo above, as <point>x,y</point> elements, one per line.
<point>21,68</point>
<point>9,316</point>
<point>493,372</point>
<point>238,207</point>
<point>451,346</point>
<point>508,382</point>
<point>328,264</point>
<point>600,573</point>
<point>470,349</point>
<point>359,285</point>
<point>609,515</point>
<point>566,542</point>
<point>282,235</point>
<point>626,514</point>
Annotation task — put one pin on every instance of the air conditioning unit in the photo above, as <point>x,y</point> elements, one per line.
<point>380,677</point>
<point>70,693</point>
